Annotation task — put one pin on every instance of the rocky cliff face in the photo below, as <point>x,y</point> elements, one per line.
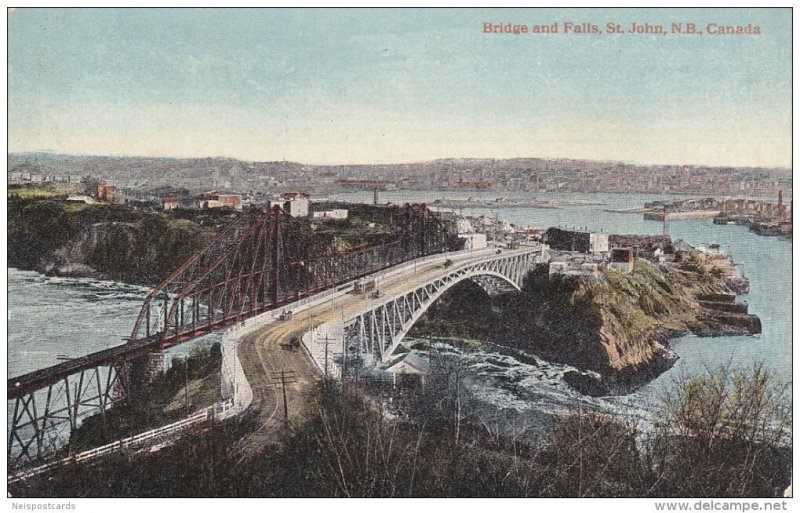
<point>616,325</point>
<point>103,242</point>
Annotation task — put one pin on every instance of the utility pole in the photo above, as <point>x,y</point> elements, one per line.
<point>186,384</point>
<point>496,226</point>
<point>282,379</point>
<point>326,355</point>
<point>344,359</point>
<point>283,384</point>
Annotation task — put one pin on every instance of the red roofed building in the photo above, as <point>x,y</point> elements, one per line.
<point>105,192</point>
<point>170,202</point>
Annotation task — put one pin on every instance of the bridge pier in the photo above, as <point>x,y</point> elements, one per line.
<point>139,374</point>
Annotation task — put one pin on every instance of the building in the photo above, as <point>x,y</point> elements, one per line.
<point>644,246</point>
<point>210,203</point>
<point>409,368</point>
<point>81,198</point>
<point>224,200</point>
<point>170,202</point>
<point>338,214</point>
<point>473,240</point>
<point>558,267</point>
<point>598,243</point>
<point>463,225</point>
<point>574,265</point>
<point>295,203</point>
<point>105,192</point>
<point>622,260</point>
<point>582,242</point>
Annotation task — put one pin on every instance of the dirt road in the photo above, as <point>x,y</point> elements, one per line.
<point>264,352</point>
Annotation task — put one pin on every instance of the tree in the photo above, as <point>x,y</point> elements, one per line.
<point>723,435</point>
<point>592,455</point>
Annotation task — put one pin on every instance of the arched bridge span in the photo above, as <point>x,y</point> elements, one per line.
<point>374,332</point>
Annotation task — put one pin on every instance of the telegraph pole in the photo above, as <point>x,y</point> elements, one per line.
<point>344,359</point>
<point>186,384</point>
<point>283,384</point>
<point>282,379</point>
<point>326,355</point>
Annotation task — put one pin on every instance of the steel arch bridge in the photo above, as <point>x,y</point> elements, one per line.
<point>375,333</point>
<point>260,261</point>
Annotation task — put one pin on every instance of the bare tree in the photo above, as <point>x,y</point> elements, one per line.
<point>722,434</point>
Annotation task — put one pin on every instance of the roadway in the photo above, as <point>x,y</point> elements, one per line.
<point>264,352</point>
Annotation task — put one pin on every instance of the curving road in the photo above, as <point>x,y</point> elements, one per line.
<point>264,352</point>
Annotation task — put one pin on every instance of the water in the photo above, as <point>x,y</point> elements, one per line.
<point>50,317</point>
<point>74,316</point>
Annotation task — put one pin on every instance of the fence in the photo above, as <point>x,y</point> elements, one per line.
<point>219,411</point>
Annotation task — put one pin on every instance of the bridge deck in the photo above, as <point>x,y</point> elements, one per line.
<point>27,383</point>
<point>263,352</point>
<point>32,381</point>
<point>35,380</point>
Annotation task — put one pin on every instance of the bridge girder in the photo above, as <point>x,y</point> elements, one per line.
<point>258,262</point>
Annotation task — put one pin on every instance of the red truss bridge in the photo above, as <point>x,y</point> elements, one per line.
<point>260,261</point>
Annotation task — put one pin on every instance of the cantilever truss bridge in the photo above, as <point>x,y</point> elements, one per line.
<point>260,261</point>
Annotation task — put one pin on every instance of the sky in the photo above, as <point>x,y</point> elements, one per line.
<point>382,86</point>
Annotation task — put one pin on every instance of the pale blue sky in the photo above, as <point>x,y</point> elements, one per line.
<point>363,86</point>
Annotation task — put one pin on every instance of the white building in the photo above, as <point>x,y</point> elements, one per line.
<point>598,243</point>
<point>473,241</point>
<point>339,213</point>
<point>81,198</point>
<point>211,204</point>
<point>295,203</point>
<point>464,226</point>
<point>558,268</point>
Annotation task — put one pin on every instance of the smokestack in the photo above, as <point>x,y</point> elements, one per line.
<point>374,195</point>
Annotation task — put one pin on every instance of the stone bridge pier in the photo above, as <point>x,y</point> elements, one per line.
<point>138,374</point>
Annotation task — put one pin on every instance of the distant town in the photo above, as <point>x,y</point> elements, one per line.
<point>161,176</point>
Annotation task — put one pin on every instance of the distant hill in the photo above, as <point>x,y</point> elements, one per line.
<point>520,174</point>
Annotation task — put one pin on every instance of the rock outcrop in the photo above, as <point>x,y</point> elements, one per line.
<point>111,242</point>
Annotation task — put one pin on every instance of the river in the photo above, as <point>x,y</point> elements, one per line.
<point>48,316</point>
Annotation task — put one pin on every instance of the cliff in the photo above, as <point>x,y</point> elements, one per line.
<point>105,241</point>
<point>615,325</point>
